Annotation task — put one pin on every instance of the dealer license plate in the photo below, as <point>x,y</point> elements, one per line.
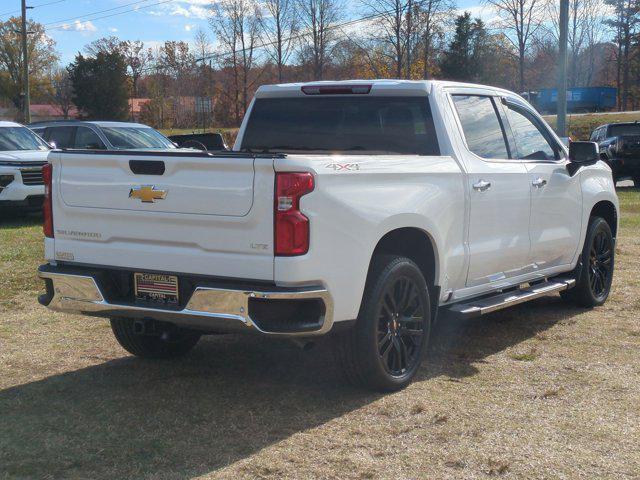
<point>158,288</point>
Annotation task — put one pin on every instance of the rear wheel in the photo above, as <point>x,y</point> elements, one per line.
<point>636,181</point>
<point>152,339</point>
<point>384,349</point>
<point>593,283</point>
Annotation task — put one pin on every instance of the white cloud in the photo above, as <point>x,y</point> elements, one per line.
<point>79,26</point>
<point>188,27</point>
<point>196,9</point>
<point>113,29</point>
<point>486,13</point>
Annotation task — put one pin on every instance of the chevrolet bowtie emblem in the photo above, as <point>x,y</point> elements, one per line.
<point>147,193</point>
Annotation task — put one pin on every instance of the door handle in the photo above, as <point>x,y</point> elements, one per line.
<point>482,186</point>
<point>539,182</point>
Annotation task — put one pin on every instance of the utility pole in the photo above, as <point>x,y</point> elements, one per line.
<point>561,120</point>
<point>26,102</point>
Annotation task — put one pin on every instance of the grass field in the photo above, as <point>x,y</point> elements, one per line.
<point>581,126</point>
<point>541,391</point>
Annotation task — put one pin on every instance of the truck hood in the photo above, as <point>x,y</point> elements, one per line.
<point>24,156</point>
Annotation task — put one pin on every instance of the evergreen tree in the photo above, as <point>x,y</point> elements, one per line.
<point>464,58</point>
<point>100,86</point>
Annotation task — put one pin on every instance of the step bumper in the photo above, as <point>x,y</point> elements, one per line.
<point>208,309</point>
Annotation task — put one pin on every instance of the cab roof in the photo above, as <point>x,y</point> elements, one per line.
<point>99,123</point>
<point>378,86</point>
<point>9,124</point>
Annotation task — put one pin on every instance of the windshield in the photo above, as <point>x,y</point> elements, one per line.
<point>126,138</point>
<point>394,125</point>
<point>628,129</point>
<point>20,138</point>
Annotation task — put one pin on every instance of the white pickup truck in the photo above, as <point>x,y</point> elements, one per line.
<point>359,209</point>
<point>22,155</point>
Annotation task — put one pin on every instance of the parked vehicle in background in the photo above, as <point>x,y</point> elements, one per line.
<point>22,155</point>
<point>360,209</point>
<point>101,135</point>
<point>210,142</point>
<point>579,99</point>
<point>620,147</point>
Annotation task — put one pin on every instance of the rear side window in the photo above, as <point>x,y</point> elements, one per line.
<point>481,126</point>
<point>88,139</point>
<point>624,129</point>
<point>61,136</point>
<point>341,124</point>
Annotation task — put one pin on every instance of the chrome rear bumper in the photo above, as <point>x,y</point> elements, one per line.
<point>208,309</point>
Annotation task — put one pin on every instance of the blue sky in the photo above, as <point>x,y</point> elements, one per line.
<point>74,23</point>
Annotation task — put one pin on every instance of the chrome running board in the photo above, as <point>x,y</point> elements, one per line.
<point>484,305</point>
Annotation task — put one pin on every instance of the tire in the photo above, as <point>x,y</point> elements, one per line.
<point>384,349</point>
<point>165,341</point>
<point>636,182</point>
<point>593,280</point>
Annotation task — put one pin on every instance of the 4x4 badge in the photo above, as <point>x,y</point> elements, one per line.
<point>147,193</point>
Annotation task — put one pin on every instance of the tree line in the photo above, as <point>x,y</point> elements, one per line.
<point>253,42</point>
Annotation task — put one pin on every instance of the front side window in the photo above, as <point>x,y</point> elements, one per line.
<point>481,126</point>
<point>136,138</point>
<point>531,143</point>
<point>20,138</point>
<point>88,139</point>
<point>340,124</point>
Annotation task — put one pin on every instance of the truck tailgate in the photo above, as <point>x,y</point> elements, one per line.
<point>188,212</point>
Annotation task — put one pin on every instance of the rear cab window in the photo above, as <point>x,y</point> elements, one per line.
<point>342,124</point>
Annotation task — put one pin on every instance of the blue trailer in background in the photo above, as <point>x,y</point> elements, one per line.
<point>579,99</point>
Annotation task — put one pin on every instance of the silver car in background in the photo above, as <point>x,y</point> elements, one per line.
<point>101,135</point>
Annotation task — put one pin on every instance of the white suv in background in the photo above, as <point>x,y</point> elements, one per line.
<point>22,155</point>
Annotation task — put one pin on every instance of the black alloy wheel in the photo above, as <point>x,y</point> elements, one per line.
<point>384,349</point>
<point>594,273</point>
<point>601,265</point>
<point>400,326</point>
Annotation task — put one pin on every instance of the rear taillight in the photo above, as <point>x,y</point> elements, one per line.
<point>291,226</point>
<point>47,207</point>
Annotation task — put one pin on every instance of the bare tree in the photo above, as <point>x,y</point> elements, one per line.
<point>585,30</point>
<point>521,20</point>
<point>394,28</point>
<point>318,35</point>
<point>137,59</point>
<point>62,91</point>
<point>624,23</point>
<point>236,24</point>
<point>433,16</point>
<point>279,26</point>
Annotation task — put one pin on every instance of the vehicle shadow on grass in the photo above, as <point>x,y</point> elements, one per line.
<point>233,396</point>
<point>10,218</point>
